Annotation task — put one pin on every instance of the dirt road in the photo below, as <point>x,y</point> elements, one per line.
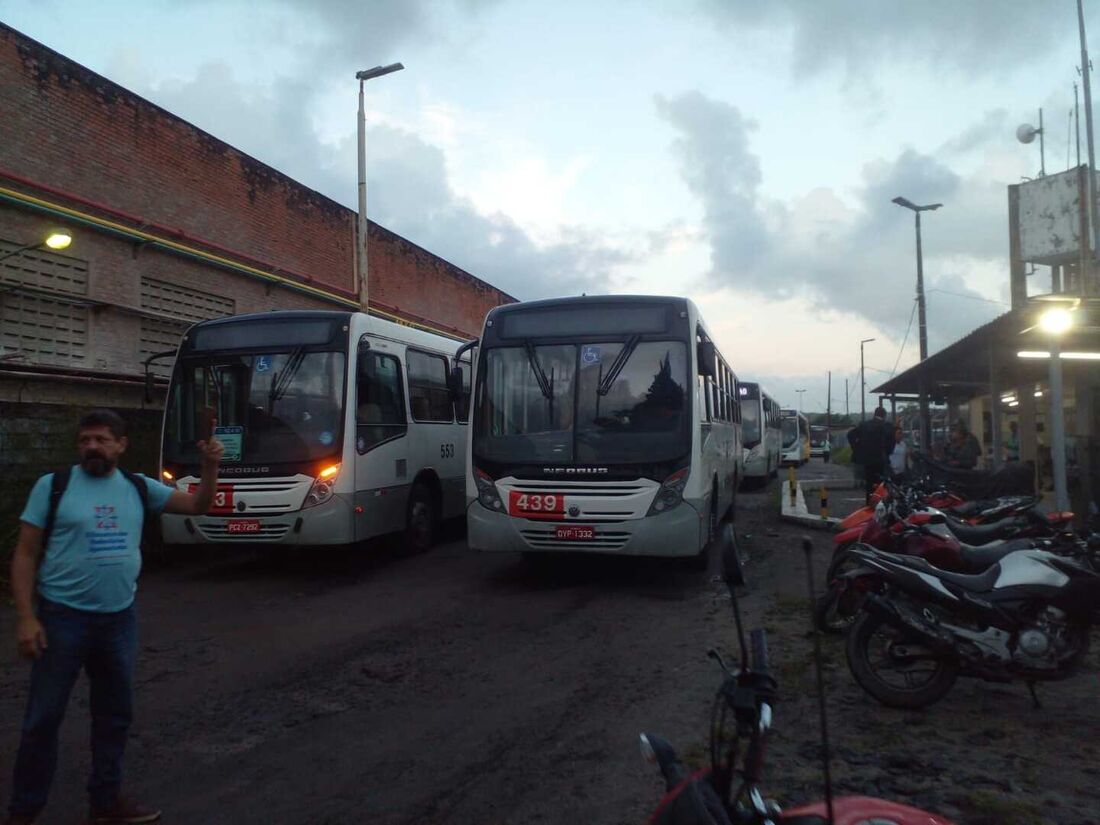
<point>460,688</point>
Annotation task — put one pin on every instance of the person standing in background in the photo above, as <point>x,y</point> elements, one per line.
<point>899,458</point>
<point>872,442</point>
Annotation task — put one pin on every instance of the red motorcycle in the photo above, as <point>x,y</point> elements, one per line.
<point>743,710</point>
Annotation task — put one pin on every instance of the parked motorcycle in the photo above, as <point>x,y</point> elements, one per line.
<point>930,535</point>
<point>1025,618</point>
<point>743,710</point>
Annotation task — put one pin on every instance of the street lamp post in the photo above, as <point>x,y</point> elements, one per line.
<point>57,239</point>
<point>361,233</point>
<point>1055,322</point>
<point>925,423</point>
<point>862,382</point>
<point>800,399</point>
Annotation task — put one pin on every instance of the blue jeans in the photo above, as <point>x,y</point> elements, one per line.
<point>104,645</point>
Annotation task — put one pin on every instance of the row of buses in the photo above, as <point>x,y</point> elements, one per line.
<point>609,423</point>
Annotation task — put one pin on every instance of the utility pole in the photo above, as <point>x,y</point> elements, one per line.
<point>847,412</point>
<point>925,421</point>
<point>829,408</point>
<point>1086,69</point>
<point>361,222</point>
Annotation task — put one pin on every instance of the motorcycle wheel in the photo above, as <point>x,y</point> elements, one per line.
<point>871,640</point>
<point>834,613</point>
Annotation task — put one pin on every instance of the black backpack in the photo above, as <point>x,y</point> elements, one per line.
<point>60,482</point>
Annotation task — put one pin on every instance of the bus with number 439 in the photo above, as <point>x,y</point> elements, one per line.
<point>605,424</point>
<point>337,427</point>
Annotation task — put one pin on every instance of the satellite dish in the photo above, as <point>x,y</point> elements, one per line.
<point>1025,133</point>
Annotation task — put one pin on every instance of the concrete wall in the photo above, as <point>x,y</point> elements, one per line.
<point>39,438</point>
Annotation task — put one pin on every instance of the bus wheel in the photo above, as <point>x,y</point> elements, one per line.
<point>421,520</point>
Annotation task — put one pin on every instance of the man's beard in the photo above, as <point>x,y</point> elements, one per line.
<point>96,464</point>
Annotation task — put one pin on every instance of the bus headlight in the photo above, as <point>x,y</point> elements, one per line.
<point>322,488</point>
<point>671,492</point>
<point>487,492</point>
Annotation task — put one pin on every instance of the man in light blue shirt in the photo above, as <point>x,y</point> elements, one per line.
<point>79,548</point>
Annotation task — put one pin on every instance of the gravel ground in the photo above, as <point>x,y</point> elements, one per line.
<point>454,687</point>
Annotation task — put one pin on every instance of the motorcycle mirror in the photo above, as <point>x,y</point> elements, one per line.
<point>732,571</point>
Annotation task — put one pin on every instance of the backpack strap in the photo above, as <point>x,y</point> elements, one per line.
<point>58,484</point>
<point>142,490</point>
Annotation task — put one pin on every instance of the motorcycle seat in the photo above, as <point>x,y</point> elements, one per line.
<point>980,559</point>
<point>978,534</point>
<point>975,583</point>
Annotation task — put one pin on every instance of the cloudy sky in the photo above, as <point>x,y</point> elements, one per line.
<point>738,152</point>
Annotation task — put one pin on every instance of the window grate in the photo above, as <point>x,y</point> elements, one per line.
<point>179,302</point>
<point>182,302</point>
<point>41,331</point>
<point>39,269</point>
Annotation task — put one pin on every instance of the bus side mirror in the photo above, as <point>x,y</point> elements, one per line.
<point>454,382</point>
<point>705,355</point>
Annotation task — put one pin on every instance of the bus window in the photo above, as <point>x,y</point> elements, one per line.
<point>380,405</point>
<point>429,397</point>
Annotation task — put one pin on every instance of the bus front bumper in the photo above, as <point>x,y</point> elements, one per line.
<point>328,523</point>
<point>677,533</point>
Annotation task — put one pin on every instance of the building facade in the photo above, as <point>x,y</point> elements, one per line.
<point>169,226</point>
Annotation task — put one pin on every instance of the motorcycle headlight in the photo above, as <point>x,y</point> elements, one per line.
<point>880,513</point>
<point>323,487</point>
<point>671,492</point>
<point>487,492</point>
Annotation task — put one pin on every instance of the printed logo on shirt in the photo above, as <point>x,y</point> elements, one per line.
<point>106,540</point>
<point>105,518</point>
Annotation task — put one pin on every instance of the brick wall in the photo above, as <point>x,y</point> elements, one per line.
<point>67,129</point>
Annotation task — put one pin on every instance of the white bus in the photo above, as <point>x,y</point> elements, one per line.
<point>337,427</point>
<point>795,438</point>
<point>604,424</point>
<point>760,432</point>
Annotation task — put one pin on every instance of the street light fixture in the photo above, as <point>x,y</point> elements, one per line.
<point>361,232</point>
<point>863,382</point>
<point>1056,321</point>
<point>925,422</point>
<point>56,239</point>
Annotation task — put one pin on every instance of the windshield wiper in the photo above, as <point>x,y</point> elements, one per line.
<point>617,365</point>
<point>280,382</point>
<point>540,376</point>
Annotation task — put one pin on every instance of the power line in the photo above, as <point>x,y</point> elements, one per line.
<point>906,339</point>
<point>971,297</point>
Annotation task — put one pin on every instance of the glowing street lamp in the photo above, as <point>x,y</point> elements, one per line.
<point>56,239</point>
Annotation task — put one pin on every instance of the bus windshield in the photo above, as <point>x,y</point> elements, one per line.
<point>274,407</point>
<point>604,403</point>
<point>790,431</point>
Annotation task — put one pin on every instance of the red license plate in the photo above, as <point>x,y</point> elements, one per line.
<point>536,505</point>
<point>242,525</point>
<point>573,533</point>
<point>223,498</point>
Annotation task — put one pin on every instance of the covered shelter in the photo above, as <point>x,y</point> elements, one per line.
<point>999,374</point>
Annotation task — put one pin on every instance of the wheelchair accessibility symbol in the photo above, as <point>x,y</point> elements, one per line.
<point>590,355</point>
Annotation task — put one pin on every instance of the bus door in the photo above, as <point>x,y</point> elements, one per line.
<point>439,443</point>
<point>381,440</point>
